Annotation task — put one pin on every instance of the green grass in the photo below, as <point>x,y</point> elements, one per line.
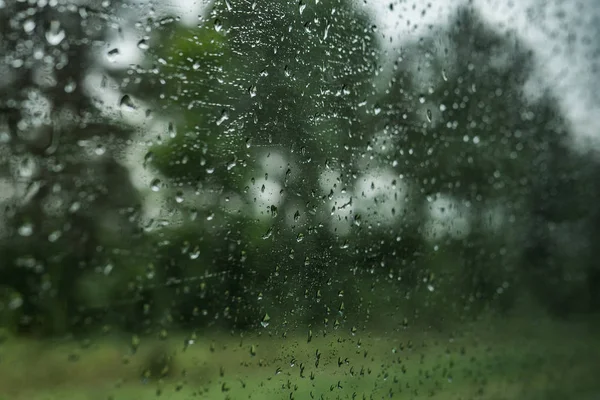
<point>493,360</point>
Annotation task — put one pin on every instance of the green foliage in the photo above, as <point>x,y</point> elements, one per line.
<point>298,182</point>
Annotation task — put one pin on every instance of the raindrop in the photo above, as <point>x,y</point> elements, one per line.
<point>265,321</point>
<point>444,76</point>
<point>70,86</point>
<point>252,90</point>
<point>126,103</point>
<point>54,236</point>
<point>54,34</point>
<point>155,185</point>
<point>218,25</point>
<point>135,343</point>
<point>112,55</point>
<point>148,158</point>
<point>15,302</point>
<point>179,197</point>
<point>29,26</point>
<point>143,44</point>
<point>268,233</point>
<point>26,229</point>
<point>195,253</point>
<point>301,7</point>
<point>224,117</point>
<point>429,116</point>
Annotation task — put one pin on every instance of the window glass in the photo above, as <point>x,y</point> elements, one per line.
<point>315,199</point>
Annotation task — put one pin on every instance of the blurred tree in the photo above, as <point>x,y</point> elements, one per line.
<point>464,126</point>
<point>295,190</point>
<point>298,182</point>
<point>262,97</point>
<point>73,211</point>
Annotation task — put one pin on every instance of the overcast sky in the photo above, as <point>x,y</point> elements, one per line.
<point>563,34</point>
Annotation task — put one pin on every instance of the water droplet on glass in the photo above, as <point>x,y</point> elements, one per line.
<point>26,229</point>
<point>155,185</point>
<point>148,158</point>
<point>224,117</point>
<point>444,76</point>
<point>143,44</point>
<point>29,26</point>
<point>107,269</point>
<point>179,197</point>
<point>135,343</point>
<point>218,25</point>
<point>301,7</point>
<point>54,34</point>
<point>54,236</point>
<point>195,253</point>
<point>15,302</point>
<point>99,150</point>
<point>265,321</point>
<point>252,90</point>
<point>429,116</point>
<point>70,86</point>
<point>112,55</point>
<point>268,233</point>
<point>126,103</point>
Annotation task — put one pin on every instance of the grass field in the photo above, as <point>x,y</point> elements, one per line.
<point>495,359</point>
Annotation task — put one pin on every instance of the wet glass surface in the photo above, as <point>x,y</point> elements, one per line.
<point>324,199</point>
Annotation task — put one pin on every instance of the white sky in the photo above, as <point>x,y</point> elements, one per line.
<point>554,29</point>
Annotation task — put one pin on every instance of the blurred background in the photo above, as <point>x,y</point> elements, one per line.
<point>353,172</point>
